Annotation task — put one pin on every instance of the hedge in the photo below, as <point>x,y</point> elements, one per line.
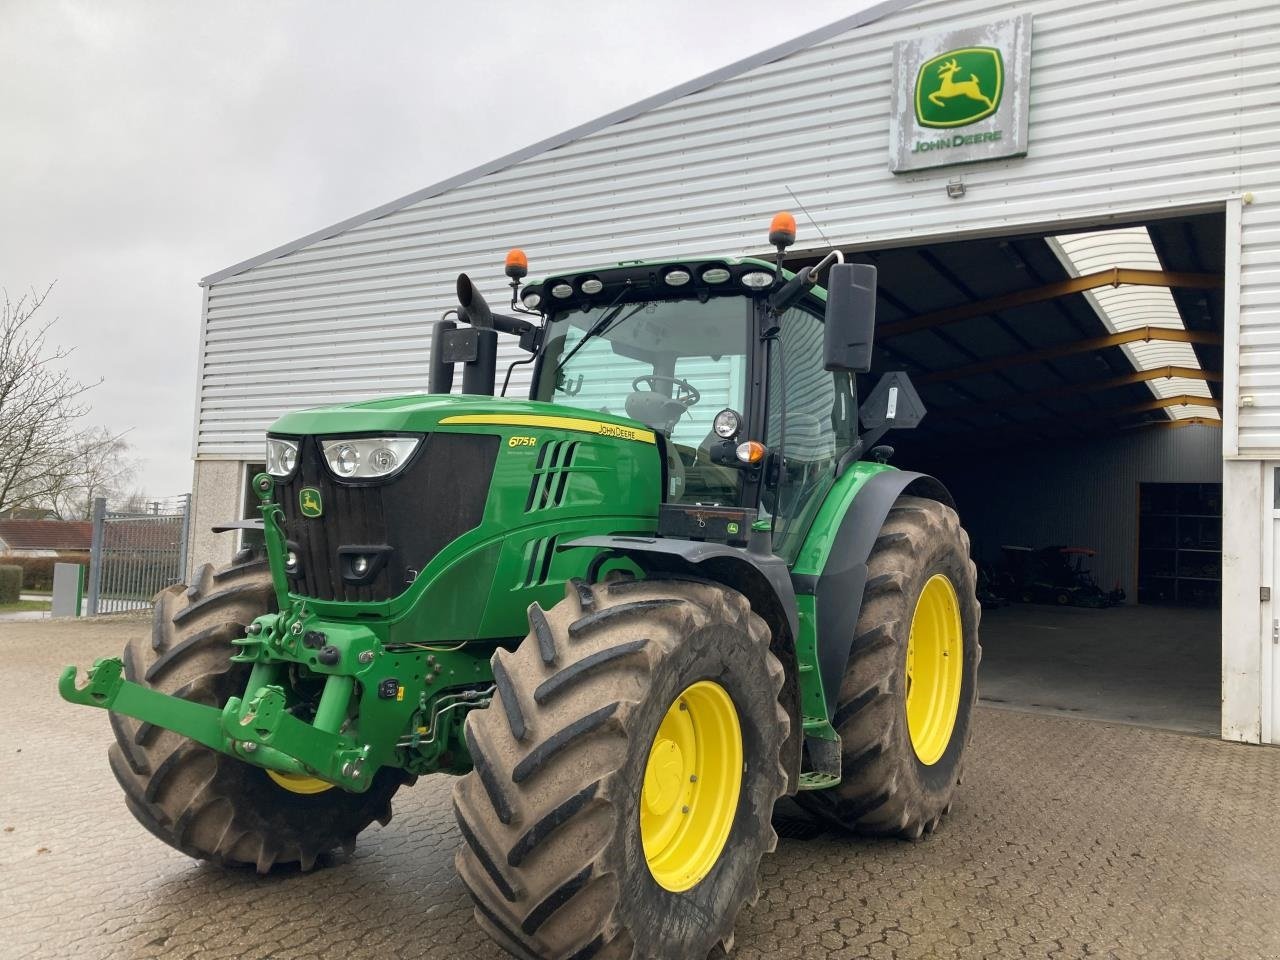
<point>10,584</point>
<point>37,572</point>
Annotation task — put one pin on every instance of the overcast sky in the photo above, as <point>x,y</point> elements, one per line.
<point>146,145</point>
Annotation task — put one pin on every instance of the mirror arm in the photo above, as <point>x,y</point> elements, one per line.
<point>815,274</point>
<point>790,292</point>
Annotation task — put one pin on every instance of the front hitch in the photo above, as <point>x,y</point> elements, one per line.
<point>259,729</point>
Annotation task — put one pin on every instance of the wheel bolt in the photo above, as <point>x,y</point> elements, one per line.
<point>684,809</point>
<point>693,778</point>
<point>682,705</point>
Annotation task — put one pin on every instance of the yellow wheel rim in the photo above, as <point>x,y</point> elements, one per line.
<point>935,669</point>
<point>297,783</point>
<point>691,786</point>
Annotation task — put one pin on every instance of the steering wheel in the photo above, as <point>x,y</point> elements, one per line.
<point>686,393</point>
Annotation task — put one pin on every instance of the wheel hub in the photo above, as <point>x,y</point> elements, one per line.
<point>297,783</point>
<point>691,786</point>
<point>663,777</point>
<point>934,669</point>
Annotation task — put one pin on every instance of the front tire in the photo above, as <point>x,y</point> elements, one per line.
<point>625,775</point>
<point>907,696</point>
<point>209,805</point>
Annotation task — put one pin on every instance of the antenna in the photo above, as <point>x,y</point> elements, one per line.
<point>809,216</point>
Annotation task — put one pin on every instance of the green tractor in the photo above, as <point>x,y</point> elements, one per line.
<point>676,584</point>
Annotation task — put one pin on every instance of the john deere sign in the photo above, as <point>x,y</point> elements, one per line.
<point>961,96</point>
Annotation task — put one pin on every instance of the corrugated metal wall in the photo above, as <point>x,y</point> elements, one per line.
<point>1083,495</point>
<point>1136,105</point>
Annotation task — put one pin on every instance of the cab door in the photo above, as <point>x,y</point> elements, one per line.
<point>811,419</point>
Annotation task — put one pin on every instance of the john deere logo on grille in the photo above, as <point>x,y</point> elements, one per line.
<point>309,502</point>
<point>959,87</point>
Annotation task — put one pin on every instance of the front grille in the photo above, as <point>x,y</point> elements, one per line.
<point>438,497</point>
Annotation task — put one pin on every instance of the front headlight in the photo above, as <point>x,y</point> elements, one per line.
<point>282,456</point>
<point>364,458</point>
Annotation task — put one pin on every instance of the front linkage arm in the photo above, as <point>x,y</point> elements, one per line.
<point>259,729</point>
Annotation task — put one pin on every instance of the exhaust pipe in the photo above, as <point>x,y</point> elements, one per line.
<point>476,348</point>
<point>481,364</point>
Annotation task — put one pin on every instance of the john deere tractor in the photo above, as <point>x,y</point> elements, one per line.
<point>631,612</point>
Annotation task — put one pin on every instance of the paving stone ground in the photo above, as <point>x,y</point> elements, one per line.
<point>1069,839</point>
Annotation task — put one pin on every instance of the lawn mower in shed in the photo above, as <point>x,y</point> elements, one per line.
<point>676,583</point>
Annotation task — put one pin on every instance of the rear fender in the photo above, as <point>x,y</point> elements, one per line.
<point>833,564</point>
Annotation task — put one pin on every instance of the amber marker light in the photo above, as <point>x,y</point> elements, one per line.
<point>517,265</point>
<point>751,451</point>
<point>782,230</point>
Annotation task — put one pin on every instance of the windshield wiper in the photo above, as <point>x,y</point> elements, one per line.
<point>605,323</point>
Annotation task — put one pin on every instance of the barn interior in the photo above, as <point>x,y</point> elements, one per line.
<point>1073,388</point>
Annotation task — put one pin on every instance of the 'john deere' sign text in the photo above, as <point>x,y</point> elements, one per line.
<point>961,96</point>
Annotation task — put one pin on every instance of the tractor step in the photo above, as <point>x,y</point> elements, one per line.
<point>823,762</point>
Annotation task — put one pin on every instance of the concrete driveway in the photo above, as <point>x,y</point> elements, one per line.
<point>1070,839</point>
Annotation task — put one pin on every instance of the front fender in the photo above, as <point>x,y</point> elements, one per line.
<point>763,580</point>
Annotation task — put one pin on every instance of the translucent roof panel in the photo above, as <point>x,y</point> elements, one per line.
<point>1128,307</point>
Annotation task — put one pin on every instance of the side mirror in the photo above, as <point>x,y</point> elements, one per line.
<point>851,317</point>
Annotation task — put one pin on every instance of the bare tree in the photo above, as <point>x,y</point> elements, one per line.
<point>42,407</point>
<point>101,466</point>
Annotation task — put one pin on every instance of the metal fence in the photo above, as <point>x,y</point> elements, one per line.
<point>136,553</point>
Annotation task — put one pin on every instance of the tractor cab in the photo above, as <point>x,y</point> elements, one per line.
<point>745,413</point>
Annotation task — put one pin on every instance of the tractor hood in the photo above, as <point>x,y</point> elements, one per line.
<point>428,412</point>
<point>464,533</point>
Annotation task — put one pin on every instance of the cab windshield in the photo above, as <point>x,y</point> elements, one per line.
<point>671,364</point>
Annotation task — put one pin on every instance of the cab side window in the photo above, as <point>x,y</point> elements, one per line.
<point>818,429</point>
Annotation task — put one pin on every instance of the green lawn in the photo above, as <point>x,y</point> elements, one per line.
<point>23,605</point>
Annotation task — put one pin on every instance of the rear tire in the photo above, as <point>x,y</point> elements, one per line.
<point>886,789</point>
<point>209,805</point>
<point>554,848</point>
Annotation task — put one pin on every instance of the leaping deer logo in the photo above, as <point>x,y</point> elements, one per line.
<point>959,87</point>
<point>949,88</point>
<point>309,501</point>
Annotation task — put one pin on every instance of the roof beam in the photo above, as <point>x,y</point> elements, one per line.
<point>1184,422</point>
<point>1091,386</point>
<point>1137,334</point>
<point>1052,427</point>
<point>979,440</point>
<point>1158,403</point>
<point>1113,277</point>
<point>1108,413</point>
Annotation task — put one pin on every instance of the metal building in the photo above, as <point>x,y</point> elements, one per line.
<point>1077,247</point>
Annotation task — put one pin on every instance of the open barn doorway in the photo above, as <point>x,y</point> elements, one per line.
<point>1073,382</point>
